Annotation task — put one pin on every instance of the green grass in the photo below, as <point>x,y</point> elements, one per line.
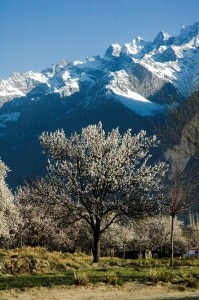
<point>34,267</point>
<point>112,276</point>
<point>29,281</point>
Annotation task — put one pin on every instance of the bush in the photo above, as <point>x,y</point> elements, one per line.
<point>81,278</point>
<point>156,275</point>
<point>114,279</point>
<point>25,265</point>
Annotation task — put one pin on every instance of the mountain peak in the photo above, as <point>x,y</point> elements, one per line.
<point>62,63</point>
<point>134,47</point>
<point>161,38</point>
<point>187,33</point>
<point>113,50</point>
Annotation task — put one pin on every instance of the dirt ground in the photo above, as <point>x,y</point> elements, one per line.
<point>130,291</point>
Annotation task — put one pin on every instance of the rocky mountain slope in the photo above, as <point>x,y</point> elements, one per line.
<point>131,86</point>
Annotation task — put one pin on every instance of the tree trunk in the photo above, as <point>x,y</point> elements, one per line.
<point>172,229</point>
<point>124,251</point>
<point>96,245</point>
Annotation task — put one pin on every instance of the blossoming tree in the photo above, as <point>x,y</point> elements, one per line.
<point>100,177</point>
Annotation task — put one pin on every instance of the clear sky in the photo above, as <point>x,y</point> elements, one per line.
<point>38,33</point>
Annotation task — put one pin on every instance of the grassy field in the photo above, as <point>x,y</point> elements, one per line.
<point>33,267</point>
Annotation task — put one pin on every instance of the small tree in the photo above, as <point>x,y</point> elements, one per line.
<point>181,196</point>
<point>9,216</point>
<point>100,177</point>
<point>153,233</point>
<point>118,237</point>
<point>180,134</point>
<point>41,225</point>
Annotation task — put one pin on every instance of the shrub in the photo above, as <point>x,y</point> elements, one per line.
<point>81,278</point>
<point>25,265</point>
<point>156,275</point>
<point>114,279</point>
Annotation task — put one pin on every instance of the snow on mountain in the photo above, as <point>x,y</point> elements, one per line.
<point>19,84</point>
<point>134,71</point>
<point>113,50</point>
<point>189,34</point>
<point>135,47</point>
<point>161,38</point>
<point>121,88</point>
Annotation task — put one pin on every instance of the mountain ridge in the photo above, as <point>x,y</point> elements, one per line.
<point>164,57</point>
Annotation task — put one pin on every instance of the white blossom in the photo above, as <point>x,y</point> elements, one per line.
<point>9,216</point>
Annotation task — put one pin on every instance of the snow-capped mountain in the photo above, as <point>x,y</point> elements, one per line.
<point>124,70</point>
<point>125,88</point>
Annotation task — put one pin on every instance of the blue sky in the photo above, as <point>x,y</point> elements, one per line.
<point>38,33</point>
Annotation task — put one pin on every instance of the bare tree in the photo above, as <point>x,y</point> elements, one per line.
<point>180,135</point>
<point>181,196</point>
<point>98,177</point>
